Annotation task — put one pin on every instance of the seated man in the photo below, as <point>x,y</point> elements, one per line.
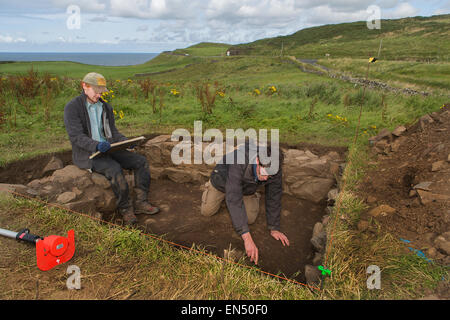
<point>237,184</point>
<point>91,127</point>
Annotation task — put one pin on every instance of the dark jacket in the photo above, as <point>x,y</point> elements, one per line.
<point>78,127</point>
<point>238,180</point>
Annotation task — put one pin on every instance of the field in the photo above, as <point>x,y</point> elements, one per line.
<point>261,90</point>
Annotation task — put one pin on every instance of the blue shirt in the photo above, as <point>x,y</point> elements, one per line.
<point>95,116</point>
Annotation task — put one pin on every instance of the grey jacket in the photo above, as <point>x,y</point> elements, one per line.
<point>78,127</point>
<point>237,180</point>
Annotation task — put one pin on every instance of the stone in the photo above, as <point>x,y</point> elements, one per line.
<point>164,208</point>
<point>312,275</point>
<point>319,241</point>
<point>442,244</point>
<point>150,221</point>
<point>333,194</point>
<point>426,119</point>
<point>382,210</point>
<point>438,166</point>
<point>317,259</point>
<point>109,203</point>
<point>7,188</point>
<point>363,225</point>
<point>432,253</point>
<point>429,237</point>
<point>310,155</point>
<point>429,197</point>
<point>318,228</point>
<point>100,180</point>
<point>77,191</point>
<point>70,174</point>
<point>332,156</point>
<point>158,139</point>
<point>294,171</point>
<point>85,206</point>
<point>177,175</point>
<point>399,131</point>
<point>395,146</point>
<point>66,197</point>
<point>325,220</point>
<point>423,186</point>
<point>312,188</point>
<point>383,134</point>
<point>54,164</point>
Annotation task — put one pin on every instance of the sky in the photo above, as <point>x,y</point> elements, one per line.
<point>159,25</point>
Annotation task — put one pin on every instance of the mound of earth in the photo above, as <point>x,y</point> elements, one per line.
<point>409,190</point>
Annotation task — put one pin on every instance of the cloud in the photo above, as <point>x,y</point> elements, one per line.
<point>444,9</point>
<point>142,28</point>
<point>90,6</point>
<point>9,39</point>
<point>153,9</point>
<point>403,10</point>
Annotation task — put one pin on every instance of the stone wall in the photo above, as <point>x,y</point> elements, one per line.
<point>305,176</point>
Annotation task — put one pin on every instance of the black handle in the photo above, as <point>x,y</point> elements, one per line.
<point>26,236</point>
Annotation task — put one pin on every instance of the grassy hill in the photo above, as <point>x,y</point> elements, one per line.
<point>416,38</point>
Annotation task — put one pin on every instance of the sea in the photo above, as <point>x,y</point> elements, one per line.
<point>99,59</point>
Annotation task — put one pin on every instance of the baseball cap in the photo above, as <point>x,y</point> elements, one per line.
<point>97,81</point>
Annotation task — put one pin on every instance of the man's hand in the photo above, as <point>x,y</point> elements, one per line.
<point>250,247</point>
<point>103,147</point>
<point>277,235</point>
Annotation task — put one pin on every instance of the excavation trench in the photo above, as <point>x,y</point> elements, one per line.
<point>180,220</point>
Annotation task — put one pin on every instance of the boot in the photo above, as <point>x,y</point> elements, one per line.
<point>128,216</point>
<point>142,206</point>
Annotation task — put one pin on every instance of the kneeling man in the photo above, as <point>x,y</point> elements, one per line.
<point>237,184</point>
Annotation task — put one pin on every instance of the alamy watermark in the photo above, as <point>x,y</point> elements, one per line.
<point>374,19</point>
<point>374,280</point>
<point>218,151</point>
<point>74,280</point>
<point>73,22</point>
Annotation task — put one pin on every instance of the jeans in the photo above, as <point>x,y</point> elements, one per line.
<point>110,165</point>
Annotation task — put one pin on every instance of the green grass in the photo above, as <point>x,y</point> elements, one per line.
<point>416,38</point>
<point>205,49</point>
<point>116,262</point>
<point>403,74</point>
<point>299,108</point>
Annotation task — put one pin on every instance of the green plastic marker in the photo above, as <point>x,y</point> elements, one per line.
<point>324,270</point>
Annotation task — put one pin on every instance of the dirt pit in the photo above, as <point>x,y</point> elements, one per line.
<point>180,220</point>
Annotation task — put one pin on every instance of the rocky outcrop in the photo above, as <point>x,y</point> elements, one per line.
<point>78,190</point>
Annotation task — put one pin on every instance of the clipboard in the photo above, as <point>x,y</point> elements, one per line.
<point>119,146</point>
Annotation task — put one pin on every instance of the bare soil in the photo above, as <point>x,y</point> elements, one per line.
<point>397,173</point>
